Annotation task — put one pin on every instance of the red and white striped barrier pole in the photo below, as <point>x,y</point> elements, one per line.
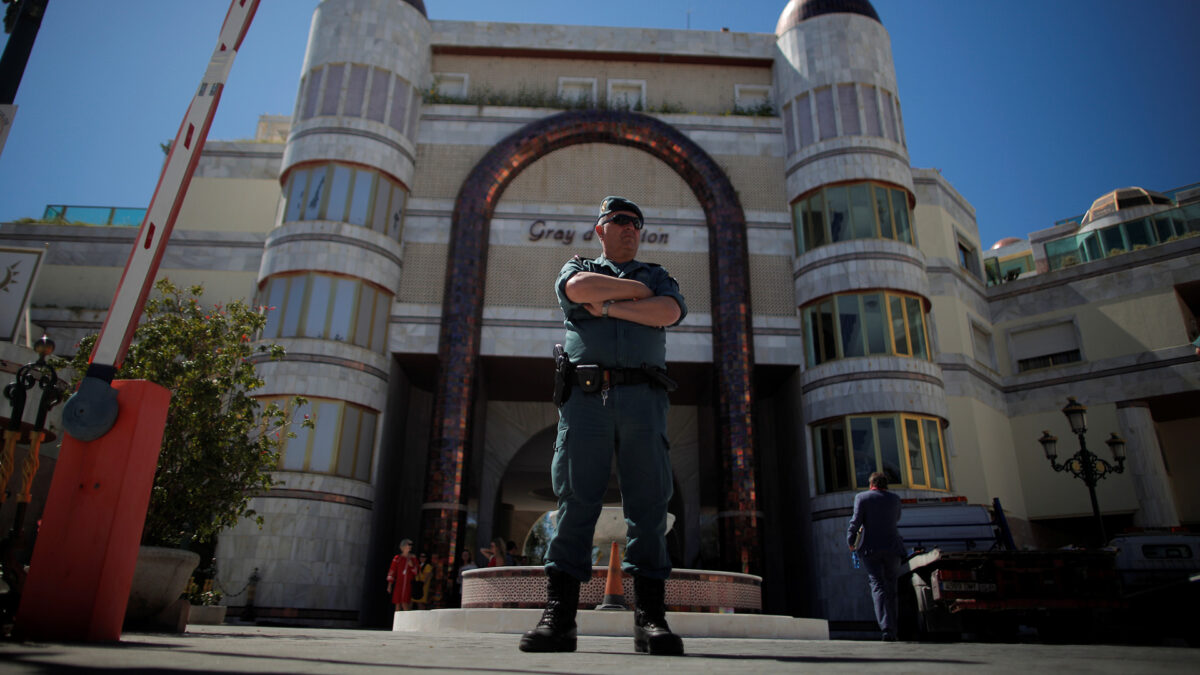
<point>92,410</point>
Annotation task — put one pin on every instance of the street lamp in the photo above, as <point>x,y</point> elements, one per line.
<point>1085,465</point>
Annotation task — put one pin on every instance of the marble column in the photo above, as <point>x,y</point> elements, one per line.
<point>1146,465</point>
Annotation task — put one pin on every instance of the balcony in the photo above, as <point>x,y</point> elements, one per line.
<point>109,216</point>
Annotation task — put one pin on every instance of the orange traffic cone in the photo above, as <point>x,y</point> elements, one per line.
<point>614,589</point>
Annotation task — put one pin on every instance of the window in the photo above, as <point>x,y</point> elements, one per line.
<point>1139,233</point>
<point>627,94</point>
<point>804,120</point>
<point>356,89</point>
<point>848,107</point>
<point>981,342</point>
<point>870,104</point>
<point>451,85</point>
<point>577,90</point>
<point>341,444</point>
<point>326,307</point>
<point>399,104</point>
<point>864,210</point>
<point>864,324</point>
<point>908,449</point>
<point>333,88</point>
<point>751,96</point>
<point>310,94</point>
<point>825,112</point>
<point>1045,345</point>
<point>345,194</point>
<point>968,259</point>
<point>377,99</point>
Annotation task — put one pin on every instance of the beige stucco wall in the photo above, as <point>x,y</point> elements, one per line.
<point>82,286</point>
<point>1178,439</point>
<point>229,205</point>
<point>1050,494</point>
<point>693,88</point>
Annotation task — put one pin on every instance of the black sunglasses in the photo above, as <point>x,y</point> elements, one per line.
<point>626,219</point>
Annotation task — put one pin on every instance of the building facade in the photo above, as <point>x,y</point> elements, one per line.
<point>403,227</point>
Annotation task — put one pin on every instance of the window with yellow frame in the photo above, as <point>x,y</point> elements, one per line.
<point>865,324</point>
<point>908,449</point>
<point>341,442</point>
<point>863,210</point>
<point>326,306</point>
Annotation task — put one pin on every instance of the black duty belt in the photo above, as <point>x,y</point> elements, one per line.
<point>595,378</point>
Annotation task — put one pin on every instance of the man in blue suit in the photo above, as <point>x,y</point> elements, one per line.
<point>877,511</point>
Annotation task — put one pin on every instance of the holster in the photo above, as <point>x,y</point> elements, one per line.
<point>659,377</point>
<point>563,374</point>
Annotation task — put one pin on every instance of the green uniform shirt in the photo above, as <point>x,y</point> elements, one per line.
<point>611,342</point>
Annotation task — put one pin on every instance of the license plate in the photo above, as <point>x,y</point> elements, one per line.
<point>968,587</point>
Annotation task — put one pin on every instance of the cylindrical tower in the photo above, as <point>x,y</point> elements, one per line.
<point>329,273</point>
<point>873,396</point>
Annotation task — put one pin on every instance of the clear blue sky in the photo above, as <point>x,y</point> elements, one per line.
<point>1030,108</point>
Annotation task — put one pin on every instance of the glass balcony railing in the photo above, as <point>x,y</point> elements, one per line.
<point>1132,235</point>
<point>93,215</point>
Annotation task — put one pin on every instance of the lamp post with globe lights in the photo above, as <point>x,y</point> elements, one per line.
<point>1084,464</point>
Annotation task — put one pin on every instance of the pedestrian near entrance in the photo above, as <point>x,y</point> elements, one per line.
<point>611,390</point>
<point>400,576</point>
<point>876,512</point>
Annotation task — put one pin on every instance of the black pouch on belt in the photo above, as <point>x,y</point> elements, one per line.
<point>562,376</point>
<point>590,378</point>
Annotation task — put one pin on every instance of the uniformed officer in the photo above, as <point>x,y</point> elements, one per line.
<point>616,311</point>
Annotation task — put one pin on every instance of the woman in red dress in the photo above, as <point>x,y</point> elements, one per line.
<point>400,576</point>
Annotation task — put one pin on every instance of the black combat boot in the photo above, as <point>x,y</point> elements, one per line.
<point>650,630</point>
<point>556,631</point>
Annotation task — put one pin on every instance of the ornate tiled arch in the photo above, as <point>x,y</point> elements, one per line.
<point>443,514</point>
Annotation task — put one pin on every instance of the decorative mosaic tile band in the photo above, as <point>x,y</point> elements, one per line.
<point>462,315</point>
<point>687,590</point>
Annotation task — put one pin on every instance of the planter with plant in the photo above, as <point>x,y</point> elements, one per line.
<point>220,444</point>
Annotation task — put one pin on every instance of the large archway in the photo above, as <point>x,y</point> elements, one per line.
<point>443,513</point>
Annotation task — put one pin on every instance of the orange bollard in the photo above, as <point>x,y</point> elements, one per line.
<point>614,588</point>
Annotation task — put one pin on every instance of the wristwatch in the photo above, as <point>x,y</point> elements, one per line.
<point>604,310</point>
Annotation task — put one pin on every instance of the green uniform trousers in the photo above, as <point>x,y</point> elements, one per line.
<point>633,423</point>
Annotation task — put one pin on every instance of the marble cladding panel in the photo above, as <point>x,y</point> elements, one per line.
<point>842,591</point>
<point>857,265</point>
<point>413,338</point>
<point>448,124</point>
<point>386,33</point>
<point>877,394</point>
<point>860,367</point>
<point>85,245</point>
<point>358,141</point>
<point>309,554</point>
<point>332,247</point>
<point>831,49</point>
<point>966,378</point>
<point>321,483</point>
<point>931,187</point>
<point>499,340</point>
<point>240,159</point>
<point>952,281</point>
<point>782,350</point>
<point>306,378</point>
<point>602,39</point>
<point>849,162</point>
<point>335,351</point>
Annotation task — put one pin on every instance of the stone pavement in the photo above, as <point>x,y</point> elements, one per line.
<point>259,649</point>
